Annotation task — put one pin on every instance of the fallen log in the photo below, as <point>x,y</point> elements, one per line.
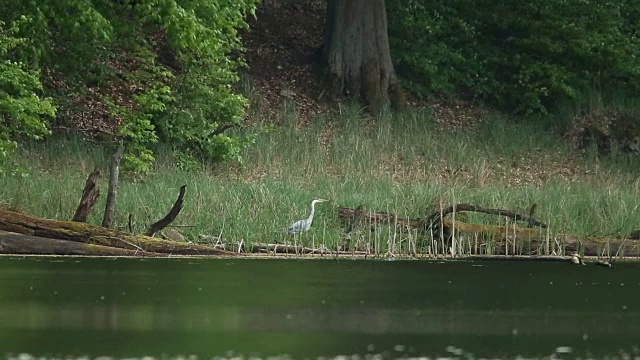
<point>89,234</point>
<point>458,208</point>
<point>13,243</point>
<point>299,249</point>
<point>492,239</point>
<point>354,217</point>
<point>282,249</point>
<point>600,246</point>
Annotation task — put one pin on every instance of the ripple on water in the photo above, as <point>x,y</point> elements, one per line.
<point>453,351</point>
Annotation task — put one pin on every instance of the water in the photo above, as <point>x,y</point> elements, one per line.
<point>239,308</point>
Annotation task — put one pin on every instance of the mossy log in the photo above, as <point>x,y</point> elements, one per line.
<point>508,239</point>
<point>90,234</point>
<point>496,231</point>
<point>535,241</point>
<point>600,246</point>
<point>13,243</point>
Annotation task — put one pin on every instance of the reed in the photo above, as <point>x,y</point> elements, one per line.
<point>403,163</point>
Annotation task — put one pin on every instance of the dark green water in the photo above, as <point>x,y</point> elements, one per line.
<point>172,308</point>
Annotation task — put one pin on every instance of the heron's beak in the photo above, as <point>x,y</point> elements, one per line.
<point>323,200</point>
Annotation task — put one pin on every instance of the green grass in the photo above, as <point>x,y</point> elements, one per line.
<point>403,163</point>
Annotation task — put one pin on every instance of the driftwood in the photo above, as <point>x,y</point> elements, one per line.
<point>13,243</point>
<point>359,214</point>
<point>173,213</point>
<point>110,208</point>
<point>511,241</point>
<point>299,249</point>
<point>89,234</point>
<point>600,246</point>
<point>90,195</point>
<point>505,240</point>
<point>281,249</point>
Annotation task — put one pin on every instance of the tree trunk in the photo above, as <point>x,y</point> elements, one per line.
<point>110,208</point>
<point>356,52</point>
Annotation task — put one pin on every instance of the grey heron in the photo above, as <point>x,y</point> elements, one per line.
<point>303,225</point>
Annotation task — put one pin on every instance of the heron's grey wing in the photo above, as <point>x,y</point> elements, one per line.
<point>297,227</point>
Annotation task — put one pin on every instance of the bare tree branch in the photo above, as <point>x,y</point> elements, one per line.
<point>223,128</point>
<point>173,213</point>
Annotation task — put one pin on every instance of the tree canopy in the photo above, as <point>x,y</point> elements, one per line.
<point>145,71</point>
<point>141,69</point>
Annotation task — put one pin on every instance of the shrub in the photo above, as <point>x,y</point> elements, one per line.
<point>522,56</point>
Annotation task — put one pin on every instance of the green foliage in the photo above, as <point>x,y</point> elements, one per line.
<point>23,113</point>
<point>204,35</point>
<point>524,56</point>
<point>428,42</point>
<point>147,71</point>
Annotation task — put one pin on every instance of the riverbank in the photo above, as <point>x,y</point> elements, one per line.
<point>403,163</point>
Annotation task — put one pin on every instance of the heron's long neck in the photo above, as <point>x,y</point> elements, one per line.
<point>313,211</point>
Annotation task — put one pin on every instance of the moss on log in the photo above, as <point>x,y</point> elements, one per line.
<point>536,241</point>
<point>13,243</point>
<point>89,234</point>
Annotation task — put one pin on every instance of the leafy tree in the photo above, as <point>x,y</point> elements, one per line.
<point>145,70</point>
<point>203,36</point>
<point>23,112</point>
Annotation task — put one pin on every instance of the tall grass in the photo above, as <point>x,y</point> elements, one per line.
<point>403,163</point>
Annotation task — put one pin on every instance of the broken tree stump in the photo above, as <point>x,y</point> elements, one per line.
<point>90,195</point>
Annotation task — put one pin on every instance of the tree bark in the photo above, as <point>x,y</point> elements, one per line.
<point>110,208</point>
<point>356,52</point>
